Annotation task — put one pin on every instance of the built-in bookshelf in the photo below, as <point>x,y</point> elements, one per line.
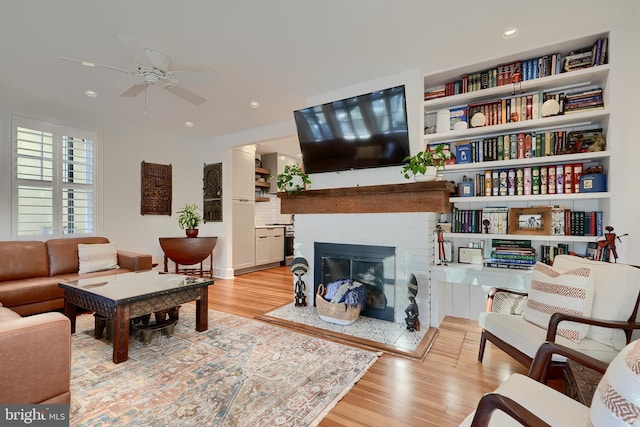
<point>585,79</point>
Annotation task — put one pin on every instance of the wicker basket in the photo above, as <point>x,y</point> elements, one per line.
<point>338,313</point>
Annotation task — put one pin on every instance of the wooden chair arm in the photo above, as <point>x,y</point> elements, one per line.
<point>493,401</point>
<point>556,318</point>
<point>542,361</point>
<point>492,293</point>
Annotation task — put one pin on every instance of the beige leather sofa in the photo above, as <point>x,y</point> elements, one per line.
<point>35,350</point>
<point>31,270</point>
<point>36,358</point>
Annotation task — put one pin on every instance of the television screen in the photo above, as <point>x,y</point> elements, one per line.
<point>364,131</point>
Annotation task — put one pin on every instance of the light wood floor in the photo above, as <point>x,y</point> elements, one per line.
<point>440,391</point>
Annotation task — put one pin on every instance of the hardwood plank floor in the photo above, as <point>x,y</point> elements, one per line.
<point>439,391</point>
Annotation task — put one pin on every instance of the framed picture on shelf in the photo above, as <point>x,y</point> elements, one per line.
<point>470,255</point>
<point>534,220</point>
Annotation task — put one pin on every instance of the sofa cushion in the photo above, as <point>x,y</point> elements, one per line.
<point>63,253</point>
<point>616,288</point>
<point>28,291</point>
<point>7,314</point>
<point>97,257</point>
<point>23,259</point>
<point>616,401</point>
<point>554,292</point>
<point>527,337</point>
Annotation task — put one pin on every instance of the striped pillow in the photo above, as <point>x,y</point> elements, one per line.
<point>97,257</point>
<point>553,292</point>
<point>616,401</point>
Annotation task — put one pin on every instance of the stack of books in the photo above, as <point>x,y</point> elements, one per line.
<point>576,102</point>
<point>509,253</point>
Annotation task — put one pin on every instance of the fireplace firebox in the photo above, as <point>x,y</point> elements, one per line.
<point>373,266</point>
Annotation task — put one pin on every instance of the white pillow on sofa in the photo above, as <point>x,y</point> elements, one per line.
<point>97,257</point>
<point>551,292</point>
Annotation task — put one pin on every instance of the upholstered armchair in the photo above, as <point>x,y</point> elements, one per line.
<point>588,306</point>
<point>526,400</point>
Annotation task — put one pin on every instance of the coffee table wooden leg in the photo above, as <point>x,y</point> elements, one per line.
<point>70,312</point>
<point>202,310</point>
<point>121,334</point>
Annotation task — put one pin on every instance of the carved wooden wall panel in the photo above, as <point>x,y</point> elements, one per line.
<point>156,189</point>
<point>212,192</point>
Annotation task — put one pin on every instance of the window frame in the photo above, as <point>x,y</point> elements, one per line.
<point>58,184</point>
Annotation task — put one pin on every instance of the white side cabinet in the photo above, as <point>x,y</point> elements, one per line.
<point>243,174</point>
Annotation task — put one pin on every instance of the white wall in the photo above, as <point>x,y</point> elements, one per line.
<point>125,147</point>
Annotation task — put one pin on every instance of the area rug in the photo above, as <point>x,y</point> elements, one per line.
<point>365,332</point>
<point>241,372</point>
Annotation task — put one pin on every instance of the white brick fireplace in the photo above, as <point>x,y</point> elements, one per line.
<point>411,233</point>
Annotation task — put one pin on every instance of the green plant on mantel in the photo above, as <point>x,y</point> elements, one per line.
<point>188,217</point>
<point>293,179</point>
<point>417,164</point>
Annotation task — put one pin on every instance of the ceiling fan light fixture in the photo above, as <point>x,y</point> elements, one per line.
<point>91,93</point>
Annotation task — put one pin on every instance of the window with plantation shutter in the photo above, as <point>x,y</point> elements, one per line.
<point>54,187</point>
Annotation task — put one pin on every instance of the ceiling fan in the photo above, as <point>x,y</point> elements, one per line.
<point>154,67</point>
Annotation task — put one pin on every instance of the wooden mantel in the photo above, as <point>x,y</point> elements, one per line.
<point>410,197</point>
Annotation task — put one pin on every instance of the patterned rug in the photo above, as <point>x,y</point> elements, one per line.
<point>241,372</point>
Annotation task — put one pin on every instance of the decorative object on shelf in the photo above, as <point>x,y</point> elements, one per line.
<point>156,189</point>
<point>533,220</point>
<point>478,120</point>
<point>470,255</point>
<point>550,107</point>
<point>212,192</point>
<point>189,219</point>
<point>412,319</point>
<point>424,165</point>
<point>607,245</point>
<point>299,267</point>
<point>293,179</point>
<point>442,258</point>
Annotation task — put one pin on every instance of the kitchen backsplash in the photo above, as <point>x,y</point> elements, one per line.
<point>269,212</point>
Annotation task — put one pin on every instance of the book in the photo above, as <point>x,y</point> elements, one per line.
<point>513,266</point>
<point>511,243</point>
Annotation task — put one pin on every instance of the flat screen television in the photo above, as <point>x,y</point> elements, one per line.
<point>364,131</point>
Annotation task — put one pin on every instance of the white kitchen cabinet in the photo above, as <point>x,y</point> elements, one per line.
<point>269,245</point>
<point>243,174</point>
<point>243,234</point>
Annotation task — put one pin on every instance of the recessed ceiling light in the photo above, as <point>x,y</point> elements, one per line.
<point>254,104</point>
<point>88,64</point>
<point>90,93</point>
<point>510,33</point>
<point>188,124</point>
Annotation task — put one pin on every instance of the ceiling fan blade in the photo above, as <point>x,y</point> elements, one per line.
<point>94,65</point>
<point>134,90</point>
<point>185,94</point>
<point>135,50</point>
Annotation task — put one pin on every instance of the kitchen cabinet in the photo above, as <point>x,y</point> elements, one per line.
<point>243,234</point>
<point>243,174</point>
<point>269,245</point>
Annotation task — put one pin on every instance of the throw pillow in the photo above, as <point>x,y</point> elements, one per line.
<point>97,257</point>
<point>551,292</point>
<point>616,401</point>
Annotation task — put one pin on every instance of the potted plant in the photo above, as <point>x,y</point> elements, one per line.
<point>293,179</point>
<point>188,219</point>
<point>424,165</point>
